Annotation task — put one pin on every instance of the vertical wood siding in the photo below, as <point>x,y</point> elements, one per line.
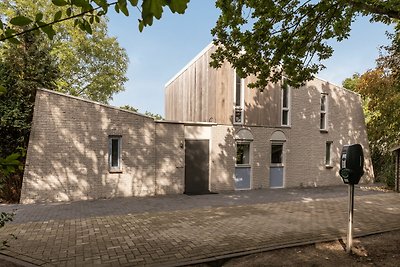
<point>203,94</point>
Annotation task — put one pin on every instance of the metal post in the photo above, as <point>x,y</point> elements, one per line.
<point>350,226</point>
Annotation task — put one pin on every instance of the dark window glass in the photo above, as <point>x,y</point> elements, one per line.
<point>243,154</point>
<point>285,97</point>
<point>323,103</point>
<point>276,153</point>
<point>328,153</point>
<point>238,115</point>
<point>238,91</point>
<point>114,152</point>
<point>322,123</point>
<point>285,117</point>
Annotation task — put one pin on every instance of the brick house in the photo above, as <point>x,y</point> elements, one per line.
<point>280,137</point>
<point>218,135</point>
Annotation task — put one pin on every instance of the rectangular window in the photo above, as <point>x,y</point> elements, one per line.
<point>238,101</point>
<point>238,89</point>
<point>328,154</point>
<point>285,98</point>
<point>276,153</point>
<point>323,113</point>
<point>243,154</point>
<point>114,151</point>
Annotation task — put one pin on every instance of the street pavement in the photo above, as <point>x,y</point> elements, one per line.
<point>181,230</point>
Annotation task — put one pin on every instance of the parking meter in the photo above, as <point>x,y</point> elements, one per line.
<point>351,170</point>
<point>351,164</point>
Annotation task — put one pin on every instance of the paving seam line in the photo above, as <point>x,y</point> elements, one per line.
<point>25,262</point>
<point>269,248</point>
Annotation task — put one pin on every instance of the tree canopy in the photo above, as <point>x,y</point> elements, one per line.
<point>23,68</point>
<point>380,90</point>
<point>85,13</point>
<point>93,66</point>
<point>269,38</point>
<point>264,38</point>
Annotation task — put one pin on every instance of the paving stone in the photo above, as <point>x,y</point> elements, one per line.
<point>190,228</point>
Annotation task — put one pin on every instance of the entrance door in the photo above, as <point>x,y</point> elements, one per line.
<point>276,166</point>
<point>196,167</point>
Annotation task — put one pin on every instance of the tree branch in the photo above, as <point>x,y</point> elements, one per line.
<point>52,23</point>
<point>377,8</point>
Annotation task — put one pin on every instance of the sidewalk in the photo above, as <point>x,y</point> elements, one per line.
<point>178,230</point>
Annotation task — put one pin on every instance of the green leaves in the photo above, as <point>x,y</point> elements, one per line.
<point>58,15</point>
<point>10,164</point>
<point>20,21</point>
<point>5,217</point>
<point>3,90</point>
<point>178,6</point>
<point>154,8</point>
<point>38,17</point>
<point>86,13</point>
<point>122,5</point>
<point>59,2</point>
<point>256,36</point>
<point>49,31</point>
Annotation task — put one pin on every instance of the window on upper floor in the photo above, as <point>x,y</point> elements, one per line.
<point>323,122</point>
<point>238,100</point>
<point>114,153</point>
<point>285,107</point>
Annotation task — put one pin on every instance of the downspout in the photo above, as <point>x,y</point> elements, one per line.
<point>155,156</point>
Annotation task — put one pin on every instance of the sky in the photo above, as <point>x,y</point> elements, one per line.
<point>162,50</point>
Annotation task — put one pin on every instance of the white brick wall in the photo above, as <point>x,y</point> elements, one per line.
<point>304,156</point>
<point>170,158</point>
<point>67,157</point>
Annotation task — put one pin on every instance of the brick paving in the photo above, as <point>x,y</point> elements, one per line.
<point>178,230</point>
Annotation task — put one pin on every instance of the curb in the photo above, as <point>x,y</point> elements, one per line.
<point>242,253</point>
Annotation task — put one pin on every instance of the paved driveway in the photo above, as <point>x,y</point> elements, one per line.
<point>178,230</point>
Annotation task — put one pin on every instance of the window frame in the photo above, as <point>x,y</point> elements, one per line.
<point>323,113</point>
<point>237,108</point>
<point>112,168</point>
<point>285,88</point>
<point>328,151</point>
<point>282,163</point>
<point>243,142</point>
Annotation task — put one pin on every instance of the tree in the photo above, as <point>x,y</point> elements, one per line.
<point>154,115</point>
<point>147,113</point>
<point>23,68</point>
<point>380,90</point>
<point>93,66</point>
<point>270,38</point>
<point>130,108</point>
<point>85,13</point>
